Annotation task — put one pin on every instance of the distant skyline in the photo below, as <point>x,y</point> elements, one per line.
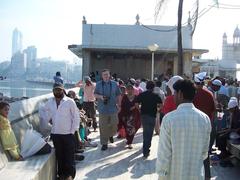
<point>52,25</point>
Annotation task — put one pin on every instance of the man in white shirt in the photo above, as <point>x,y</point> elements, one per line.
<point>184,137</point>
<point>63,114</point>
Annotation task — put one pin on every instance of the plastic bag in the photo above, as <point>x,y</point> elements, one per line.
<point>32,143</point>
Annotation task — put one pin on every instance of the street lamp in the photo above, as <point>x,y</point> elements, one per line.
<point>153,48</point>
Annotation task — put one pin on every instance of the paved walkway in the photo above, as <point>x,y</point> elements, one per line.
<point>118,162</point>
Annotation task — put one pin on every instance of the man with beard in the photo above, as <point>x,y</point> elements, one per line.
<point>63,114</point>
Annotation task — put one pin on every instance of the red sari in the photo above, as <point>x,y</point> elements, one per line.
<point>129,118</point>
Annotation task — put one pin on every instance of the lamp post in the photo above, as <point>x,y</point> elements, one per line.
<point>153,48</point>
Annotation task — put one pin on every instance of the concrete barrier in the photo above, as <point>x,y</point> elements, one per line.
<point>24,115</point>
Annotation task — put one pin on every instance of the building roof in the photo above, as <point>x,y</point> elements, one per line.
<point>133,36</point>
<point>77,50</point>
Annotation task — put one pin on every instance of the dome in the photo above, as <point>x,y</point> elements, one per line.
<point>236,32</point>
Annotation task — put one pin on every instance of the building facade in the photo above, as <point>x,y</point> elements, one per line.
<point>230,55</point>
<point>31,54</point>
<point>18,65</point>
<point>16,41</point>
<point>124,49</point>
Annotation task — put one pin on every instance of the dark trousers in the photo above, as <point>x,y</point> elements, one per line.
<point>89,108</point>
<point>148,124</point>
<point>221,141</point>
<point>65,149</point>
<point>213,134</point>
<point>129,138</point>
<point>206,162</point>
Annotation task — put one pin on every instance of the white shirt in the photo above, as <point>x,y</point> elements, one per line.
<point>65,118</point>
<point>183,144</point>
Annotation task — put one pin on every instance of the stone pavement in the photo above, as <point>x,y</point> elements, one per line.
<point>118,162</point>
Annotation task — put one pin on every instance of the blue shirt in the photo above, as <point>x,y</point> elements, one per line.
<point>110,90</point>
<point>223,90</point>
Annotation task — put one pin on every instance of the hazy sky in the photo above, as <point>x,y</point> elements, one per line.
<point>51,25</point>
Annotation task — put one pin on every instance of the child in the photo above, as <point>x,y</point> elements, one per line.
<point>7,135</point>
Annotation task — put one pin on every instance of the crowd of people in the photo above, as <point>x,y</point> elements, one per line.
<point>190,116</point>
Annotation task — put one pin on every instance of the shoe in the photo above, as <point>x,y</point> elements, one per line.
<point>79,151</point>
<point>119,136</point>
<point>104,147</point>
<point>145,157</point>
<point>111,139</point>
<point>129,146</point>
<point>79,157</point>
<point>90,144</point>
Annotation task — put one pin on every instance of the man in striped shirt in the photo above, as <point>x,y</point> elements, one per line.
<point>184,137</point>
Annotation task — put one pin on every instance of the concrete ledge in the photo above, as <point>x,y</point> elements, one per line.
<point>41,167</point>
<point>24,115</point>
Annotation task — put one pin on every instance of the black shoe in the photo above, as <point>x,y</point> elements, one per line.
<point>104,147</point>
<point>79,157</point>
<point>111,139</point>
<point>145,156</point>
<point>79,150</point>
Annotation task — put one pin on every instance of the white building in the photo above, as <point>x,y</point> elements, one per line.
<point>211,66</point>
<point>124,49</point>
<point>230,55</point>
<point>18,65</point>
<point>16,41</point>
<point>31,53</point>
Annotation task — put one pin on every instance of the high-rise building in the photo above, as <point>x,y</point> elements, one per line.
<point>16,41</point>
<point>18,65</point>
<point>31,53</point>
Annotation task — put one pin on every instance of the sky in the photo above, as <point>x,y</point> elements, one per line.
<point>52,25</point>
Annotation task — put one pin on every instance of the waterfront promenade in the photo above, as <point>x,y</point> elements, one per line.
<point>118,162</point>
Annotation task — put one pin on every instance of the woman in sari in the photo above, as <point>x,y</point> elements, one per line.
<point>121,130</point>
<point>129,115</point>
